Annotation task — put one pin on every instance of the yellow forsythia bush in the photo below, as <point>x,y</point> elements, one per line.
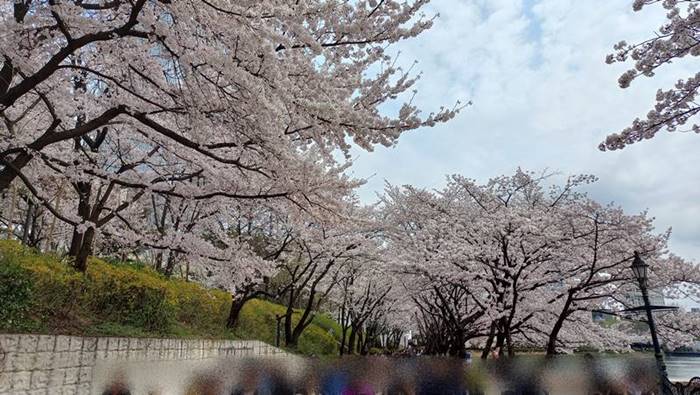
<point>43,293</point>
<point>67,300</point>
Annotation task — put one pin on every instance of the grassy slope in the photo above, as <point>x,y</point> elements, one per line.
<point>43,294</point>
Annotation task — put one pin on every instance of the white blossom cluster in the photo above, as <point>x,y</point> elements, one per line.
<point>675,108</point>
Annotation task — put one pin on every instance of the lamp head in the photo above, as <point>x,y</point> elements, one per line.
<point>639,267</point>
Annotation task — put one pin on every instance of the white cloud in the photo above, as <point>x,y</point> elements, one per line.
<point>543,98</point>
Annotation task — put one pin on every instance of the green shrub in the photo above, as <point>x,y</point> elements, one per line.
<point>317,341</point>
<point>128,296</point>
<point>257,321</point>
<point>15,294</point>
<point>198,307</point>
<point>43,293</point>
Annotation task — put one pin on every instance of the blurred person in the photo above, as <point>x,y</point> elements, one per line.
<point>441,378</point>
<point>640,377</point>
<point>597,379</point>
<point>272,381</point>
<point>334,381</point>
<point>118,386</point>
<point>205,384</point>
<point>468,358</point>
<point>117,389</point>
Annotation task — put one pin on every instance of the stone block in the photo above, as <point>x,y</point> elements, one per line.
<point>43,360</point>
<point>45,343</point>
<point>41,391</point>
<point>84,389</point>
<point>148,343</point>
<point>20,380</point>
<point>21,361</point>
<point>101,355</point>
<point>62,343</point>
<point>123,344</point>
<point>28,343</point>
<point>87,358</point>
<point>40,379</point>
<point>113,344</point>
<point>76,343</point>
<point>56,377</point>
<point>71,376</point>
<point>9,343</point>
<point>69,390</point>
<point>85,374</point>
<point>5,382</point>
<point>102,343</point>
<point>135,344</point>
<point>66,359</point>
<point>89,344</point>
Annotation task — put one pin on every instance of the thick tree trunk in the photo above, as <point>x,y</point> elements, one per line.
<point>509,344</point>
<point>458,345</point>
<point>170,264</point>
<point>304,322</point>
<point>362,343</point>
<point>85,250</point>
<point>75,243</point>
<point>235,312</point>
<point>554,333</point>
<point>343,328</point>
<point>158,262</point>
<point>352,341</point>
<point>343,337</point>
<point>500,342</point>
<point>298,330</point>
<point>6,74</point>
<point>489,341</point>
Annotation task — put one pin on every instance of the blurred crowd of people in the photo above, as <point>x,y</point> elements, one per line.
<point>418,376</point>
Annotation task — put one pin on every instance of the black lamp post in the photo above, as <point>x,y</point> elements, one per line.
<point>277,339</point>
<point>639,267</point>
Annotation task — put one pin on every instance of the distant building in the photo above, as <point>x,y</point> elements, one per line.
<point>634,299</point>
<point>603,315</point>
<point>695,310</point>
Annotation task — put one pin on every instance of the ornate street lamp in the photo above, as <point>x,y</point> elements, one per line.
<point>639,267</point>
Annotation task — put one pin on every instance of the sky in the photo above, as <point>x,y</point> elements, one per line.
<point>543,98</point>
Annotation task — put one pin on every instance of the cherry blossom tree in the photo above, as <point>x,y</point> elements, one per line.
<point>320,254</point>
<point>366,294</point>
<point>519,263</point>
<point>446,318</point>
<point>603,239</point>
<point>223,82</point>
<point>190,101</point>
<point>676,107</point>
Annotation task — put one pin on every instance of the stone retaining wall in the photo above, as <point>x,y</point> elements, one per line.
<point>47,364</point>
